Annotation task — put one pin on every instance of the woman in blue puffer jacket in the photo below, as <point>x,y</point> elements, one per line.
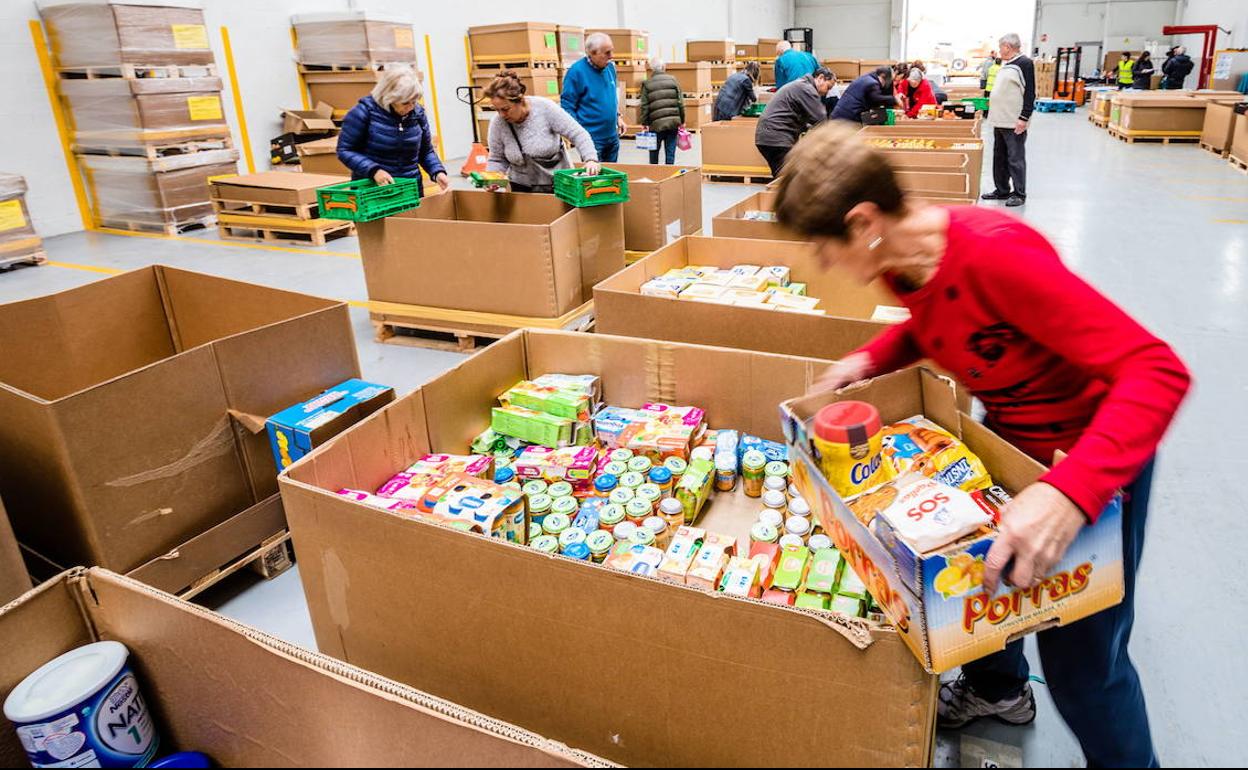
<point>387,133</point>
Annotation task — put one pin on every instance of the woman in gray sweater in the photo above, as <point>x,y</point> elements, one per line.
<point>526,137</point>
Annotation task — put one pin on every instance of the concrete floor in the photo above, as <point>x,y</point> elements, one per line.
<point>1162,230</point>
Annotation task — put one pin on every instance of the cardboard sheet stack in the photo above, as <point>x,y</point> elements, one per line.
<point>141,86</point>
<point>276,206</point>
<point>19,243</point>
<point>340,53</point>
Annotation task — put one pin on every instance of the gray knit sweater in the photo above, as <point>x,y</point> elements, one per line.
<point>541,134</point>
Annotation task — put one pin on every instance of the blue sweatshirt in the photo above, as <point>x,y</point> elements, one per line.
<point>590,97</point>
<point>794,65</point>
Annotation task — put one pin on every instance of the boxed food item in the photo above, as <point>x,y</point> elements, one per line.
<point>296,430</point>
<point>728,148</point>
<point>208,684</point>
<point>355,559</point>
<point>846,309</point>
<point>918,545</point>
<point>353,39</point>
<point>519,42</point>
<point>114,33</point>
<point>516,254</point>
<point>137,420</point>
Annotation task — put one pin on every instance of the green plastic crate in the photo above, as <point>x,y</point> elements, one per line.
<point>980,102</point>
<point>363,200</point>
<point>754,110</point>
<point>574,187</point>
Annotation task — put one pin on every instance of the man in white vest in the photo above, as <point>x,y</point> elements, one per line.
<point>1009,114</point>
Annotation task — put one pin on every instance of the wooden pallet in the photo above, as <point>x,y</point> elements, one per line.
<point>373,66</point>
<point>1238,163</point>
<point>493,63</point>
<point>167,228</point>
<point>1221,152</point>
<point>461,331</point>
<point>1131,137</point>
<point>154,150</point>
<point>138,71</point>
<point>301,212</point>
<point>726,178</point>
<point>32,258</point>
<point>268,560</point>
<point>291,232</point>
<point>705,95</point>
<point>1100,121</point>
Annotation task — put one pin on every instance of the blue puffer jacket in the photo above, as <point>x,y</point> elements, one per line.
<point>374,138</point>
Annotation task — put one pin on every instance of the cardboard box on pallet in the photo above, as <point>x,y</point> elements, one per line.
<point>748,51</point>
<point>17,233</point>
<point>710,50</point>
<point>340,90</point>
<point>867,66</point>
<point>508,253</point>
<point>571,44</point>
<point>720,74</point>
<point>940,174</point>
<point>354,560</point>
<point>320,156</point>
<point>115,32</point>
<point>174,108</point>
<point>664,203</point>
<point>135,406</point>
<point>963,622</point>
<point>210,684</point>
<point>1219,129</point>
<point>515,43</point>
<point>693,77</point>
<point>166,192</point>
<point>1239,139</point>
<point>631,75</point>
<point>13,578</point>
<point>728,148</point>
<point>699,112</point>
<point>291,189</point>
<point>622,309</point>
<point>538,81</point>
<point>741,220</point>
<point>353,39</point>
<point>767,73</point>
<point>1165,115</point>
<point>630,44</point>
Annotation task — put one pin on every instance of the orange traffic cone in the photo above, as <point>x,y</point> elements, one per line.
<point>477,157</point>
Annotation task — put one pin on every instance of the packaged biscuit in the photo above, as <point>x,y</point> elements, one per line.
<point>741,270</point>
<point>824,567</point>
<point>767,557</point>
<point>920,445</point>
<point>813,601</point>
<point>778,596</point>
<point>532,426</point>
<point>588,384</point>
<point>721,278</point>
<point>792,570</point>
<point>848,605</point>
<point>921,512</point>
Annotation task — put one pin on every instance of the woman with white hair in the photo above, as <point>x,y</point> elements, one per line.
<point>662,110</point>
<point>386,135</point>
<point>916,92</point>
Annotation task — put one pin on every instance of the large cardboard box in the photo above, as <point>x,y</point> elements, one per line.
<point>664,203</point>
<point>939,175</point>
<point>622,309</point>
<point>13,578</point>
<point>482,622</point>
<point>927,129</point>
<point>693,77</point>
<point>720,74</point>
<point>631,75</point>
<point>519,42</point>
<point>867,66</point>
<point>169,191</point>
<point>1180,115</point>
<point>134,406</point>
<point>538,81</point>
<point>353,38</point>
<point>1219,129</point>
<point>320,156</point>
<point>844,69</point>
<point>630,44</point>
<point>728,148</point>
<point>1239,139</point>
<point>115,32</point>
<point>340,90</point>
<point>945,631</point>
<point>710,50</point>
<point>319,120</point>
<point>279,188</point>
<point>571,44</point>
<point>733,222</point>
<point>767,73</point>
<point>175,109</point>
<point>699,112</point>
<point>748,51</point>
<point>510,253</point>
<point>212,685</point>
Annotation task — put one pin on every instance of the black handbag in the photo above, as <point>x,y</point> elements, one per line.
<point>876,116</point>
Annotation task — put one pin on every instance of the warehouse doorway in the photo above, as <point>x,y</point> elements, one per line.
<point>955,36</point>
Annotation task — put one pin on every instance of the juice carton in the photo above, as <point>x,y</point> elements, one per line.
<point>792,570</point>
<point>533,427</point>
<point>776,596</point>
<point>823,571</point>
<point>740,578</point>
<point>712,558</point>
<point>498,511</point>
<point>767,556</point>
<point>297,430</point>
<point>695,487</point>
<point>635,559</point>
<point>569,404</point>
<point>680,553</point>
<point>573,464</point>
<point>814,601</point>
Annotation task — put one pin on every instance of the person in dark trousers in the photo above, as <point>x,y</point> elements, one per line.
<point>589,95</point>
<point>662,109</point>
<point>737,94</point>
<point>1126,68</point>
<point>1142,73</point>
<point>875,89</point>
<point>1057,365</point>
<point>386,135</point>
<point>1177,69</point>
<point>795,108</point>
<point>1009,114</point>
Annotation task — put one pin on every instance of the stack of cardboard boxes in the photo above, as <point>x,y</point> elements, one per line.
<point>19,243</point>
<point>276,206</point>
<point>530,49</point>
<point>141,86</point>
<point>340,53</point>
<point>1166,115</point>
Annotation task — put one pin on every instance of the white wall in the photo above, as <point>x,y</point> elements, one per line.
<point>1228,14</point>
<point>850,29</point>
<point>260,37</point>
<point>1116,24</point>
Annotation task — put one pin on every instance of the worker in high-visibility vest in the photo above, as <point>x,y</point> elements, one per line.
<point>992,76</point>
<point>1126,69</point>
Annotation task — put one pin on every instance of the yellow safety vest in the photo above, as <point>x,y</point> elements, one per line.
<point>1125,69</point>
<point>992,77</point>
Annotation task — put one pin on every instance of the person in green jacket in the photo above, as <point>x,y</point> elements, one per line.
<point>662,109</point>
<point>991,80</point>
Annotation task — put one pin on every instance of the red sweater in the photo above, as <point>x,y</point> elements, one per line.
<point>1057,365</point>
<point>918,97</point>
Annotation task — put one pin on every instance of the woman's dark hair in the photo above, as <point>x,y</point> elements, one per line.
<point>506,85</point>
<point>753,70</point>
<point>825,73</point>
<point>830,171</point>
<point>885,74</point>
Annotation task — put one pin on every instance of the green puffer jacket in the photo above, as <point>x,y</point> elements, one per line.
<point>662,107</point>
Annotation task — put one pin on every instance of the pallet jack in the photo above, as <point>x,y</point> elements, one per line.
<point>478,155</point>
<point>1069,84</point>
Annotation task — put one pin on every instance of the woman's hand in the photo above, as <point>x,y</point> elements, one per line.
<point>382,177</point>
<point>593,168</point>
<point>1036,529</point>
<point>443,181</point>
<point>853,368</point>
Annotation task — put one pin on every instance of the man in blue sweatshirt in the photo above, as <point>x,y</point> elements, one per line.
<point>589,96</point>
<point>792,64</point>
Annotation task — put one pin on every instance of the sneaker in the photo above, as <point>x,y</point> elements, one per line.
<point>959,706</point>
<point>996,196</point>
<point>1015,201</point>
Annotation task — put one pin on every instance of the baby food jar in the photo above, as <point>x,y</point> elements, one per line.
<point>640,465</point>
<point>559,489</point>
<point>610,515</point>
<point>753,472</point>
<point>534,488</point>
<point>725,472</point>
<point>600,543</point>
<point>638,511</point>
<point>764,533</point>
<point>546,544</point>
<point>661,477</point>
<point>555,524</point>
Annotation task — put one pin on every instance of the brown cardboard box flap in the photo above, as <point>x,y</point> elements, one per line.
<point>326,146</point>
<point>279,180</point>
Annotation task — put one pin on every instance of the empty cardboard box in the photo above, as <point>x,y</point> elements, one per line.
<point>353,38</point>
<point>211,685</point>
<point>320,156</point>
<point>508,253</point>
<point>622,309</point>
<point>477,620</point>
<point>319,120</point>
<point>664,203</point>
<point>742,220</point>
<point>135,405</point>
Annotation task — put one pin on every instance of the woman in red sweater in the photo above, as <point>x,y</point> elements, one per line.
<point>917,92</point>
<point>1058,366</point>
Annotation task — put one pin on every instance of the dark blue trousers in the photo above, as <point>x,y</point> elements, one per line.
<point>608,148</point>
<point>1086,664</point>
<point>667,140</point>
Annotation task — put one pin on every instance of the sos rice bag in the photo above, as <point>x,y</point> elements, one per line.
<point>921,446</point>
<point>922,512</point>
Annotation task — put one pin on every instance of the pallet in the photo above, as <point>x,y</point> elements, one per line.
<point>154,150</point>
<point>167,228</point>
<point>372,66</point>
<point>1238,163</point>
<point>1100,121</point>
<point>300,212</point>
<point>1131,137</point>
<point>1221,152</point>
<point>138,71</point>
<point>461,331</point>
<point>514,64</point>
<point>268,560</point>
<point>688,95</point>
<point>730,178</point>
<point>1055,105</point>
<point>269,232</point>
<point>31,259</point>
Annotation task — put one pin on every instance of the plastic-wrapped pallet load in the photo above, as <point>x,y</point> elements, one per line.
<point>19,243</point>
<point>120,111</point>
<point>104,33</point>
<point>353,39</point>
<point>162,193</point>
